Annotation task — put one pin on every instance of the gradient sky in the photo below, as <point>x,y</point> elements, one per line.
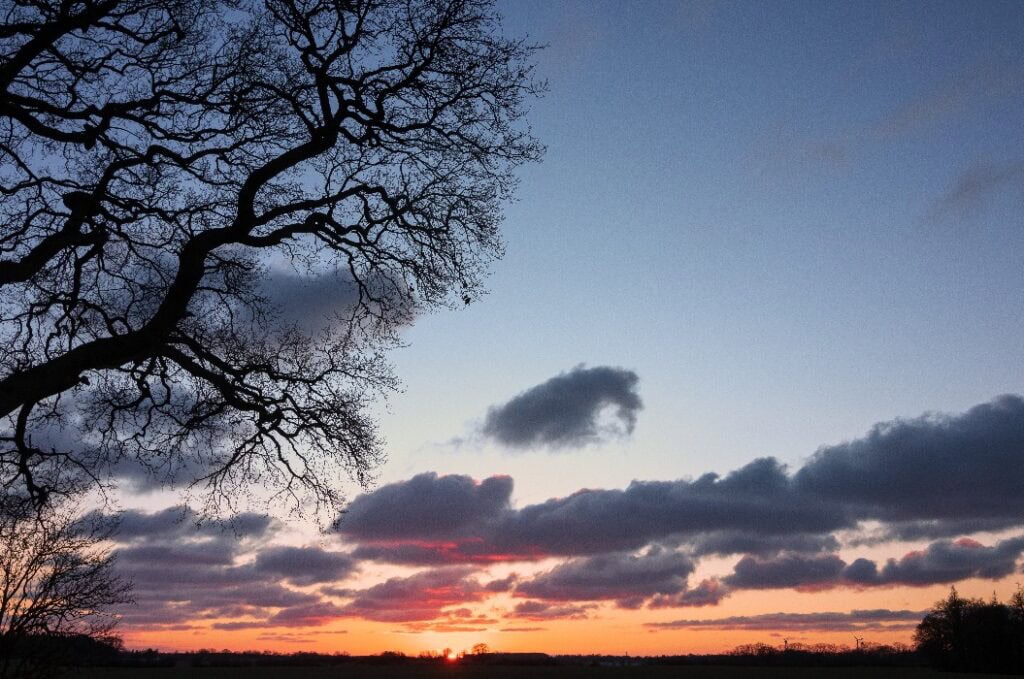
<point>777,225</point>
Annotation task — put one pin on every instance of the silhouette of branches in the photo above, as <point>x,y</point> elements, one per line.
<point>56,582</point>
<point>162,160</point>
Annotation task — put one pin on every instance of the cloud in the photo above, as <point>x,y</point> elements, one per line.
<point>568,410</point>
<point>981,83</point>
<point>543,610</point>
<point>941,562</point>
<point>931,473</point>
<point>318,300</point>
<point>934,468</point>
<point>624,577</point>
<point>503,585</point>
<point>933,477</point>
<point>428,506</point>
<point>709,592</point>
<point>392,524</point>
<point>212,553</point>
<point>453,620</point>
<point>976,185</point>
<point>927,478</point>
<point>306,615</point>
<point>909,531</point>
<point>311,301</point>
<point>184,571</point>
<point>789,570</point>
<point>739,542</point>
<point>421,596</point>
<point>305,565</point>
<point>183,522</point>
<point>818,622</point>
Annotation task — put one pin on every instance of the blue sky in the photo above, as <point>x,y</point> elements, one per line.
<point>792,221</point>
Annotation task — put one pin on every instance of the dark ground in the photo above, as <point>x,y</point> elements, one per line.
<point>463,672</point>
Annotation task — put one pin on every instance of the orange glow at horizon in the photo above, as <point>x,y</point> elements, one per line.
<point>608,631</point>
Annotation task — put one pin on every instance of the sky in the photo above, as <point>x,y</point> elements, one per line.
<point>747,370</point>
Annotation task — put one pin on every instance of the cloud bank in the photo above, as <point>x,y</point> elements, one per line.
<point>935,480</point>
<point>931,477</point>
<point>815,622</point>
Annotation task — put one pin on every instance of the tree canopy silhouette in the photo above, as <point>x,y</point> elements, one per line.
<point>971,635</point>
<point>175,171</point>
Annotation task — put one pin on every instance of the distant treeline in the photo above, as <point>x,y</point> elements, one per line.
<point>84,652</point>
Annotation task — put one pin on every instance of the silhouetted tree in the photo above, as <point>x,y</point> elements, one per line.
<point>57,587</point>
<point>163,161</point>
<point>974,635</point>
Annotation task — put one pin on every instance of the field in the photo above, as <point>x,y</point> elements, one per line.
<point>456,672</point>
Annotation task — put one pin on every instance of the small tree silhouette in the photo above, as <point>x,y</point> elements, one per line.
<point>57,586</point>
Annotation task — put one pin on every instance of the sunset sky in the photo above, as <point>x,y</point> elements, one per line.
<point>747,371</point>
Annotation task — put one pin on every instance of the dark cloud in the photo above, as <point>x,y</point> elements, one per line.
<point>155,473</point>
<point>755,500</point>
<point>185,570</point>
<point>502,585</point>
<point>74,434</point>
<point>739,542</point>
<point>929,478</point>
<point>709,592</point>
<point>910,531</point>
<point>236,625</point>
<point>568,410</point>
<point>942,562</point>
<point>309,301</point>
<point>625,577</point>
<point>182,521</point>
<point>428,506</point>
<point>305,565</point>
<point>933,468</point>
<point>544,610</point>
<point>819,622</point>
<point>203,554</point>
<point>306,615</point>
<point>799,571</point>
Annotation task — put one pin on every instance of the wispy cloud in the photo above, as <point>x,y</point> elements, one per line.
<point>976,186</point>
<point>818,622</point>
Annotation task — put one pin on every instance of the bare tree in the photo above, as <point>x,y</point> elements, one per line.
<point>164,161</point>
<point>57,585</point>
